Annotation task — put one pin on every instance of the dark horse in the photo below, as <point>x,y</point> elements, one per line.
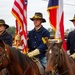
<point>16,62</point>
<point>58,61</point>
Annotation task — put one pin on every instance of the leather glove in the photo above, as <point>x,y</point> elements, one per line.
<point>73,56</point>
<point>33,53</point>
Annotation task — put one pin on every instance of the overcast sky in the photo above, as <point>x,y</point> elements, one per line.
<point>35,6</point>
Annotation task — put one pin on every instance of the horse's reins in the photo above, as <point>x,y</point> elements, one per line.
<point>31,64</point>
<point>57,63</point>
<point>4,55</point>
<point>27,67</point>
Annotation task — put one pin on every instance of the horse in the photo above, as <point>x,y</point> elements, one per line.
<point>16,62</point>
<point>58,61</point>
<point>0,73</point>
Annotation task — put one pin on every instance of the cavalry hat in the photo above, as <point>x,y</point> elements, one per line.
<point>2,22</point>
<point>73,18</point>
<point>38,15</point>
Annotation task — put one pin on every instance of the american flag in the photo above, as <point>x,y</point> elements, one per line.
<point>56,18</point>
<point>19,10</point>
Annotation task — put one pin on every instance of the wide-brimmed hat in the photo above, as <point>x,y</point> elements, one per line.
<point>2,22</point>
<point>38,15</point>
<point>73,19</point>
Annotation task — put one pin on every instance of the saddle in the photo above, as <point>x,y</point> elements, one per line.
<point>41,68</point>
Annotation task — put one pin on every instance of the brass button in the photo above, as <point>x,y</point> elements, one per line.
<point>35,37</point>
<point>34,46</point>
<point>34,42</point>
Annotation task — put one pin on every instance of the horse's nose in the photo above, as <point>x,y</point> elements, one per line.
<point>48,73</point>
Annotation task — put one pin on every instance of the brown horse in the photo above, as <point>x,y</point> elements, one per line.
<point>58,61</point>
<point>16,62</point>
<point>0,73</point>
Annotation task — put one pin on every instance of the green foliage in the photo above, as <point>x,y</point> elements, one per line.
<point>51,31</point>
<point>11,30</point>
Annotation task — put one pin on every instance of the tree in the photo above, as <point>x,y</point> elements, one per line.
<point>51,31</point>
<point>11,30</point>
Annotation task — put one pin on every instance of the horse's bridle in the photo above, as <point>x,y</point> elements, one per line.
<point>3,55</point>
<point>30,65</point>
<point>57,62</point>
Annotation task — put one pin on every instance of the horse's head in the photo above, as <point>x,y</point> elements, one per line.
<point>3,55</point>
<point>53,56</point>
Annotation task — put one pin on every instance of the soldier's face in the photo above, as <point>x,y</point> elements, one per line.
<point>37,22</point>
<point>2,28</point>
<point>74,23</point>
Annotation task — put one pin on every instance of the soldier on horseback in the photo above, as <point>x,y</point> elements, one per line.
<point>71,39</point>
<point>36,42</point>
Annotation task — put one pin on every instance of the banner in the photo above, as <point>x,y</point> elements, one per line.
<point>19,11</point>
<point>56,18</point>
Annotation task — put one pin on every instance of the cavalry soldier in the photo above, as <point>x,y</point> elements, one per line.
<point>5,36</point>
<point>71,38</point>
<point>36,42</point>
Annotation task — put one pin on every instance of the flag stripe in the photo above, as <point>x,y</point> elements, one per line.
<point>17,16</point>
<point>62,27</point>
<point>18,6</point>
<point>52,19</point>
<point>18,12</point>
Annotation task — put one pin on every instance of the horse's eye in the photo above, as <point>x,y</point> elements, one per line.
<point>46,59</point>
<point>0,53</point>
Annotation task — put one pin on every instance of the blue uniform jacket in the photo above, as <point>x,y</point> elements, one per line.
<point>7,38</point>
<point>71,42</point>
<point>35,40</point>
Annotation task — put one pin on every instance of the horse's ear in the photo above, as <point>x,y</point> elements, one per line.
<point>59,43</point>
<point>2,43</point>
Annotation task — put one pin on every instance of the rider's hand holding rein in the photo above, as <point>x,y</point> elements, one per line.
<point>34,53</point>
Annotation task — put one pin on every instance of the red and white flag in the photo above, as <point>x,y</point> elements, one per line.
<point>19,11</point>
<point>56,18</point>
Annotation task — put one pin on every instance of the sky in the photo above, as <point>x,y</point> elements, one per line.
<point>37,6</point>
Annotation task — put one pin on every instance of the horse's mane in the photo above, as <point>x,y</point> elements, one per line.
<point>67,57</point>
<point>20,57</point>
